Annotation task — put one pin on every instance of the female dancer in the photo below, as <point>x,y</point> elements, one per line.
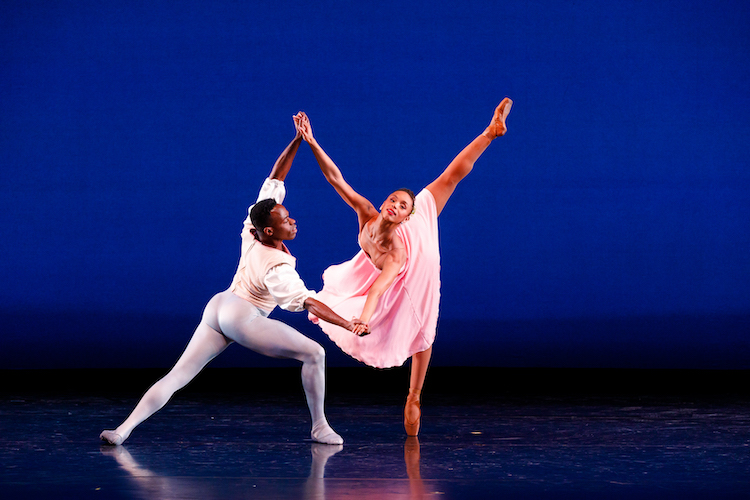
<point>393,284</point>
<point>265,278</point>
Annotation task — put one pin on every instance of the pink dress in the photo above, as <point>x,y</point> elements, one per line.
<point>405,320</point>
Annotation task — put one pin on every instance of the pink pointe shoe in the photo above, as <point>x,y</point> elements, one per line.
<point>412,426</point>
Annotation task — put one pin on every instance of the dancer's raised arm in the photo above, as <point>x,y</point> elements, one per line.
<point>365,210</point>
<point>442,188</point>
<point>285,159</point>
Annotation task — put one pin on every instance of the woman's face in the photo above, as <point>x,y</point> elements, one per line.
<point>397,207</point>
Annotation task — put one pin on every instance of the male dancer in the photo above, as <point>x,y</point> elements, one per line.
<point>265,278</point>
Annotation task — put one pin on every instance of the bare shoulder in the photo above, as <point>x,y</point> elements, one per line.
<point>366,216</point>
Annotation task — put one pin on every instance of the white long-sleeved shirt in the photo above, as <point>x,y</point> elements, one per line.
<point>282,281</point>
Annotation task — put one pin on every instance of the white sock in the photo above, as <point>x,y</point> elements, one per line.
<point>323,433</point>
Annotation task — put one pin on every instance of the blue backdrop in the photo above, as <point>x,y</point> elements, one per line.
<point>608,228</point>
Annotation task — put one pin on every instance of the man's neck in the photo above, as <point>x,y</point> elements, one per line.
<point>273,243</point>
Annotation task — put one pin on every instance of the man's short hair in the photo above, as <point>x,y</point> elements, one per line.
<point>260,214</point>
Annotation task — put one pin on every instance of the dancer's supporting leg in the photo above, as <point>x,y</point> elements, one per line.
<point>273,338</point>
<point>412,411</point>
<point>442,188</point>
<point>204,346</point>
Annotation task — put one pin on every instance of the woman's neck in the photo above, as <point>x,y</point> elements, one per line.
<point>380,230</point>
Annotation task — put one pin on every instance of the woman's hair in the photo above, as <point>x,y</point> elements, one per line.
<point>260,214</point>
<point>413,198</point>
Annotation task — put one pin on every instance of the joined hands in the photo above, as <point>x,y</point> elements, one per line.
<point>302,124</point>
<point>359,328</point>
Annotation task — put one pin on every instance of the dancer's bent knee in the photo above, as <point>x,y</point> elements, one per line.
<point>316,355</point>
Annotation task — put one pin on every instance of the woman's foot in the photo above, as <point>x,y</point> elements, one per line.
<point>412,414</point>
<point>111,437</point>
<point>497,127</point>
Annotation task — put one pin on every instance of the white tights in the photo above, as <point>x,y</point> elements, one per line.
<point>229,318</point>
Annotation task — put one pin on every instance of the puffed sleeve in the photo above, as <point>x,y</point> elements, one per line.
<point>271,188</point>
<point>287,288</point>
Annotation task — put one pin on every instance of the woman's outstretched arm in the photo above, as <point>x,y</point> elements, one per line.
<point>442,188</point>
<point>365,210</point>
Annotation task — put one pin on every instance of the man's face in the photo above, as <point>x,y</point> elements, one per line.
<point>284,227</point>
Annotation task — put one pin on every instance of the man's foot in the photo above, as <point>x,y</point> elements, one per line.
<point>497,127</point>
<point>111,437</point>
<point>323,433</point>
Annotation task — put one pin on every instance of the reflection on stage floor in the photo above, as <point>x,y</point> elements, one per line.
<point>248,444</point>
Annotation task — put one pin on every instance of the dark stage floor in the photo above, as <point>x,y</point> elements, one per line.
<point>486,434</point>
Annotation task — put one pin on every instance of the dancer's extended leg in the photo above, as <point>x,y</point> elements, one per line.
<point>412,411</point>
<point>204,346</point>
<point>442,188</point>
<point>279,340</point>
